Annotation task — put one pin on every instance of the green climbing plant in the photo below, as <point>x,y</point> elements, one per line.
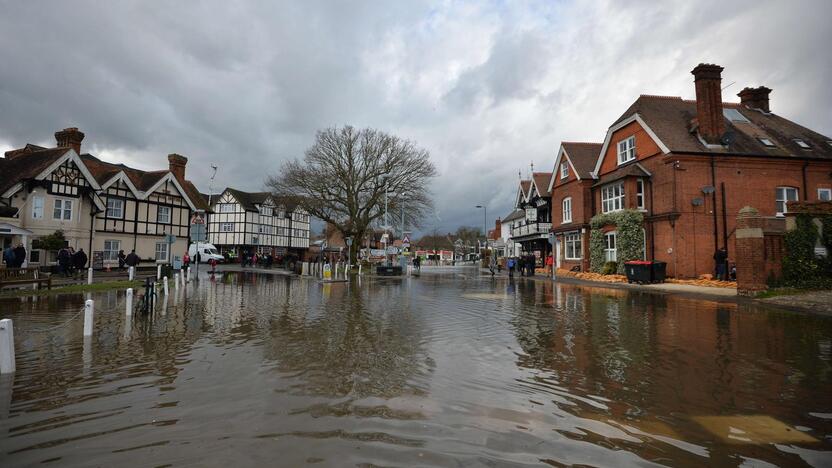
<point>629,238</point>
<point>802,268</point>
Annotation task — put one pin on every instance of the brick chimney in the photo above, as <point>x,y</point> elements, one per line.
<point>70,137</point>
<point>755,98</point>
<point>498,226</point>
<point>176,165</point>
<point>708,81</point>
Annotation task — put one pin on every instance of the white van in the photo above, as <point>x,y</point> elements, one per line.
<point>205,253</point>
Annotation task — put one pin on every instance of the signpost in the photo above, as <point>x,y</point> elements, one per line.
<point>348,241</point>
<point>198,234</point>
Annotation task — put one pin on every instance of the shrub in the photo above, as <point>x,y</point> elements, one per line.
<point>629,238</point>
<point>609,268</point>
<point>801,267</point>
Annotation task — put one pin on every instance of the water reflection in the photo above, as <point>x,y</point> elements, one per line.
<point>438,370</point>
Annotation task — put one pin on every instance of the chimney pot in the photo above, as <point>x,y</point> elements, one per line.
<point>176,165</point>
<point>755,98</point>
<point>708,83</point>
<point>70,137</point>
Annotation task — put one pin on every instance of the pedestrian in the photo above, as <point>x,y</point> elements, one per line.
<point>79,260</point>
<point>19,256</point>
<point>531,264</point>
<point>8,256</point>
<point>510,265</point>
<point>492,266</point>
<point>122,259</point>
<point>132,259</point>
<point>213,263</point>
<point>720,256</point>
<point>186,261</point>
<point>63,261</point>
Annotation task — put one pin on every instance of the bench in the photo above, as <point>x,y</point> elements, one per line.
<point>16,276</point>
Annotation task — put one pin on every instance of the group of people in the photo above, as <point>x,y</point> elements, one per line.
<point>14,257</point>
<point>130,260</point>
<point>524,265</point>
<point>70,261</point>
<point>255,259</point>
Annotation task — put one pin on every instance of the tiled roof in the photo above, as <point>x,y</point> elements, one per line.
<point>26,164</point>
<point>249,200</point>
<point>541,180</point>
<point>524,187</point>
<point>583,156</point>
<point>630,170</point>
<point>671,119</point>
<point>516,214</point>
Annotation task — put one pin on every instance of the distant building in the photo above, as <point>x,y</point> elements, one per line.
<point>254,221</point>
<point>531,231</point>
<point>99,206</point>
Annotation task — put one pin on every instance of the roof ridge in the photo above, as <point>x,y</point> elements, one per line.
<point>659,96</point>
<point>580,143</point>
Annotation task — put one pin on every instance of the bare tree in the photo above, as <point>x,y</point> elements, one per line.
<point>343,177</point>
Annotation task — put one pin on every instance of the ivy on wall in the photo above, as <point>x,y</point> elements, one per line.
<point>802,268</point>
<point>629,238</point>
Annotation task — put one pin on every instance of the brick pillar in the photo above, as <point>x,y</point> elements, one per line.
<point>751,261</point>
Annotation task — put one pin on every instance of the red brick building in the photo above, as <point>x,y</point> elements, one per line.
<point>691,165</point>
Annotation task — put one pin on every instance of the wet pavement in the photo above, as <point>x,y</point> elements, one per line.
<point>450,369</point>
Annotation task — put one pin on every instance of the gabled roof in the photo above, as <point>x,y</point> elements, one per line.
<point>248,200</point>
<point>516,214</point>
<point>671,118</point>
<point>630,170</point>
<point>25,163</point>
<point>523,191</point>
<point>541,182</point>
<point>582,156</point>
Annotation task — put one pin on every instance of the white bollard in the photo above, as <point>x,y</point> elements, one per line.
<point>359,269</point>
<point>158,272</point>
<point>129,301</point>
<point>165,283</point>
<point>6,347</point>
<point>188,278</point>
<point>88,317</point>
<point>89,275</point>
<point>130,273</point>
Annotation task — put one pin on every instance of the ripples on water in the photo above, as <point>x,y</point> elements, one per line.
<point>440,370</point>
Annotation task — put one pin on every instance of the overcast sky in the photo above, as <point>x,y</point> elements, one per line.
<point>486,87</point>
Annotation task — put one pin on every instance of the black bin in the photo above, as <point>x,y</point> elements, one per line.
<point>659,271</point>
<point>638,272</point>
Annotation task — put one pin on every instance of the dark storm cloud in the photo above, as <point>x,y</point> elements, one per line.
<point>486,87</point>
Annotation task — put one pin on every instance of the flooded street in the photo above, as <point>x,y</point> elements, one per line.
<point>440,370</point>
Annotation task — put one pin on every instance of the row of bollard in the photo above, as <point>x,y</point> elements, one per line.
<point>7,352</point>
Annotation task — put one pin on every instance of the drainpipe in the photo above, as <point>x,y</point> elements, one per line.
<point>805,190</point>
<point>724,218</point>
<point>713,203</point>
<point>652,232</point>
<point>92,231</point>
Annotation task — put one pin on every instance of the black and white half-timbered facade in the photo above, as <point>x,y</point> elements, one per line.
<point>98,206</point>
<point>532,230</point>
<point>254,222</point>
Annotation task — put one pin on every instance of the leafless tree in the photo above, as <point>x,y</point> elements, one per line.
<point>343,177</point>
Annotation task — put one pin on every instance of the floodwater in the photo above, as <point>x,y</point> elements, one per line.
<point>440,370</point>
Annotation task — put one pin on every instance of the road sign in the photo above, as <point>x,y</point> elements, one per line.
<point>197,218</point>
<point>552,238</point>
<point>170,239</point>
<point>348,240</point>
<point>392,250</point>
<point>406,239</point>
<point>198,233</point>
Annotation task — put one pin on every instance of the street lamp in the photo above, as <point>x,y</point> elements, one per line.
<point>484,228</point>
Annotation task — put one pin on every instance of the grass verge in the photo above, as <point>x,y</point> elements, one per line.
<point>74,288</point>
<point>774,292</point>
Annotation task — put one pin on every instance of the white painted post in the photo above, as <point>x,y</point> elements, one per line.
<point>129,301</point>
<point>188,279</point>
<point>359,269</point>
<point>158,272</point>
<point>89,275</point>
<point>130,273</point>
<point>165,283</point>
<point>88,317</point>
<point>6,347</point>
<point>176,281</point>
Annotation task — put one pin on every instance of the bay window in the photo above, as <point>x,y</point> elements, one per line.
<point>612,197</point>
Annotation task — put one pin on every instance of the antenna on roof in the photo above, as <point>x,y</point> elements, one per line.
<point>532,166</point>
<point>727,86</point>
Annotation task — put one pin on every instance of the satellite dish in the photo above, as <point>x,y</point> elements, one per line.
<point>728,138</point>
<point>708,189</point>
<point>697,202</point>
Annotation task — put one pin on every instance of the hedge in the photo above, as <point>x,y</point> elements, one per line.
<point>802,268</point>
<point>629,241</point>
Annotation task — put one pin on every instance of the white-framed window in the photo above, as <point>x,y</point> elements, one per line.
<point>564,169</point>
<point>163,214</point>
<point>640,194</point>
<point>162,251</point>
<point>266,210</point>
<point>572,243</point>
<point>37,207</point>
<point>226,207</point>
<point>627,150</point>
<point>567,210</point>
<point>62,210</point>
<point>111,248</point>
<point>783,195</point>
<point>824,194</point>
<point>226,227</point>
<point>802,143</point>
<point>115,208</point>
<point>612,197</point>
<point>610,254</point>
<point>766,142</point>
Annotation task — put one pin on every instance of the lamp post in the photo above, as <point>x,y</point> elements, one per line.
<point>484,228</point>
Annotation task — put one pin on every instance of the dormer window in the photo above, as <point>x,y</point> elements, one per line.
<point>766,142</point>
<point>802,143</point>
<point>564,170</point>
<point>266,210</point>
<point>627,150</point>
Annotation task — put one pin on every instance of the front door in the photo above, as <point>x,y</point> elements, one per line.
<point>557,252</point>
